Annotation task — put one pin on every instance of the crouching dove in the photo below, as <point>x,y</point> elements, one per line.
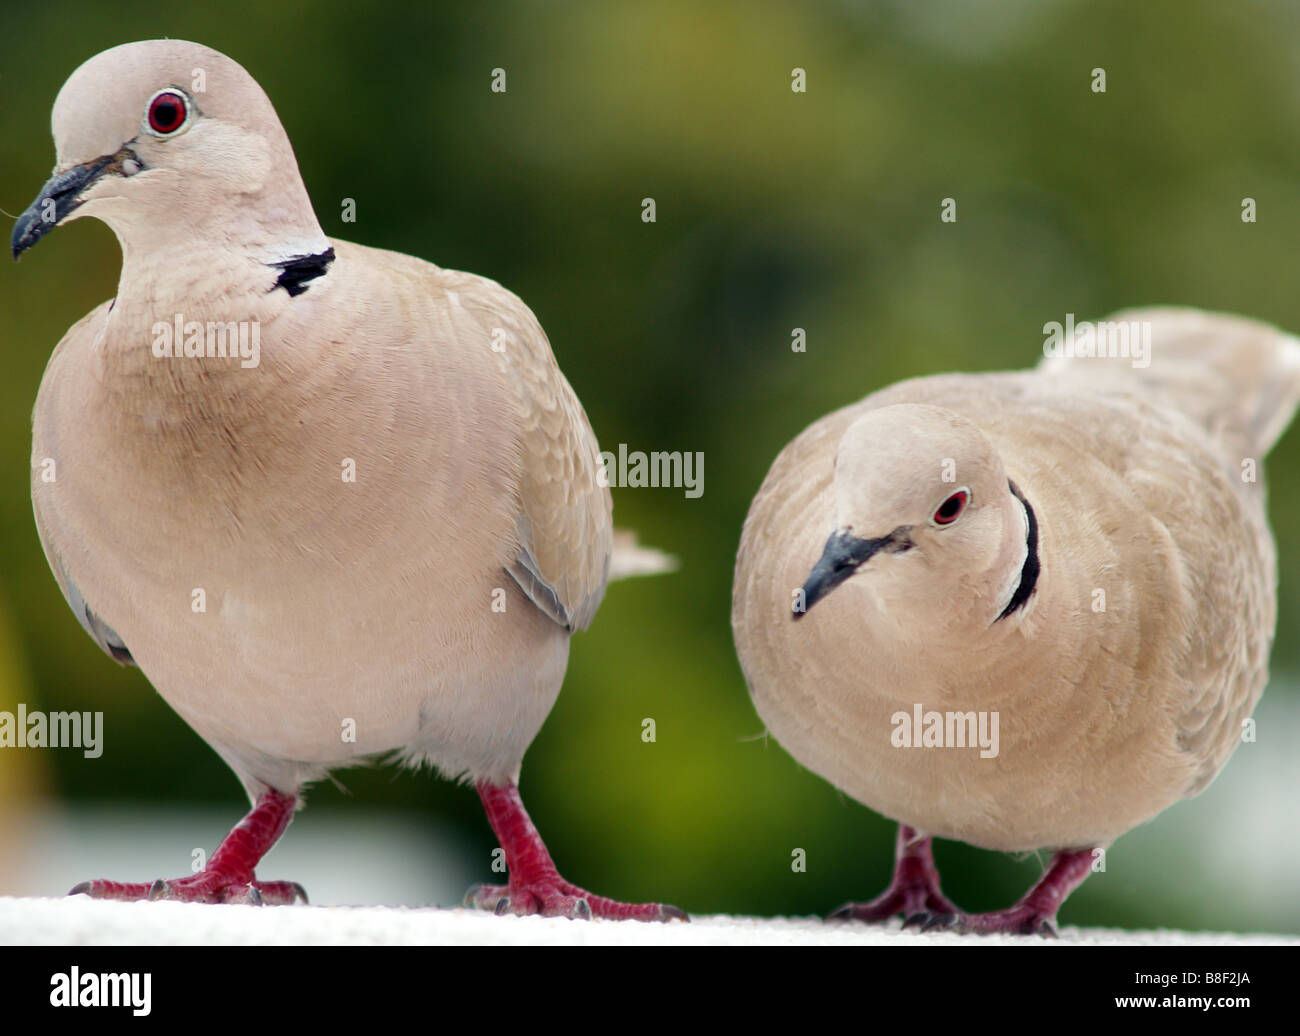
<point>1023,610</point>
<point>372,533</point>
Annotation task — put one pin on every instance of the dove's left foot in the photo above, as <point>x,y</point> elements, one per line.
<point>228,877</point>
<point>204,887</point>
<point>1035,914</point>
<point>535,885</point>
<point>913,892</point>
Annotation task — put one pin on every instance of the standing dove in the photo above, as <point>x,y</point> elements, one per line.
<point>333,501</point>
<point>1024,610</point>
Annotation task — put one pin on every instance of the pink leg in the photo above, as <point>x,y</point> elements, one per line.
<point>914,890</point>
<point>535,886</point>
<point>228,877</point>
<point>1035,914</point>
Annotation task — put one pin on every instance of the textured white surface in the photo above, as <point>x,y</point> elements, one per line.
<point>78,921</point>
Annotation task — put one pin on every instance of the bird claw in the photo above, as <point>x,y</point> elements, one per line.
<point>939,922</point>
<point>938,915</point>
<point>916,903</point>
<point>558,898</point>
<point>926,920</point>
<point>1018,920</point>
<point>203,887</point>
<point>244,895</point>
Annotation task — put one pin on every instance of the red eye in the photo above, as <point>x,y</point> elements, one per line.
<point>167,111</point>
<point>951,508</point>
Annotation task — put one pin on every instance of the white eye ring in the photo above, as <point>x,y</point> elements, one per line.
<point>150,121</point>
<point>962,496</point>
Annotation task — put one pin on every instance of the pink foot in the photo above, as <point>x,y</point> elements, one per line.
<point>555,897</point>
<point>535,886</point>
<point>914,890</point>
<point>228,877</point>
<point>1035,914</point>
<point>204,887</point>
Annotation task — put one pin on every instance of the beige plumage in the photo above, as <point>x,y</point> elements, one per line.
<point>377,539</point>
<point>1120,682</point>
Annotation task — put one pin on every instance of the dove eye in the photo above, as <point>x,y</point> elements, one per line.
<point>167,112</point>
<point>950,510</point>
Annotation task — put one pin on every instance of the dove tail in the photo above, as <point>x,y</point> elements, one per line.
<point>1280,395</point>
<point>629,558</point>
<point>1238,378</point>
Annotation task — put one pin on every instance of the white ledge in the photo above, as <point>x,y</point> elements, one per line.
<point>78,921</point>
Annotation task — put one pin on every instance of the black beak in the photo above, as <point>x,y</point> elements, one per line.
<point>60,195</point>
<point>845,554</point>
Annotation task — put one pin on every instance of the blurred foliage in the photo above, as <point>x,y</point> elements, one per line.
<point>775,210</point>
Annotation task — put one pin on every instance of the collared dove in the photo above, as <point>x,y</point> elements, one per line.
<point>1067,571</point>
<point>372,533</point>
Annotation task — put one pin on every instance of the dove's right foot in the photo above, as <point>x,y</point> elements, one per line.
<point>552,896</point>
<point>535,885</point>
<point>913,892</point>
<point>228,877</point>
<point>1035,914</point>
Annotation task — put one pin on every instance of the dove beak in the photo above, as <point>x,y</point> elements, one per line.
<point>843,555</point>
<point>61,194</point>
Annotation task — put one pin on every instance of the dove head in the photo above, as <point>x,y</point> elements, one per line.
<point>171,143</point>
<point>926,522</point>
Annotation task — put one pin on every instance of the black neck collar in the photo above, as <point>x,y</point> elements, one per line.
<point>1029,572</point>
<point>297,273</point>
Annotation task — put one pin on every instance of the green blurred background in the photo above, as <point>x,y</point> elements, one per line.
<point>775,210</point>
